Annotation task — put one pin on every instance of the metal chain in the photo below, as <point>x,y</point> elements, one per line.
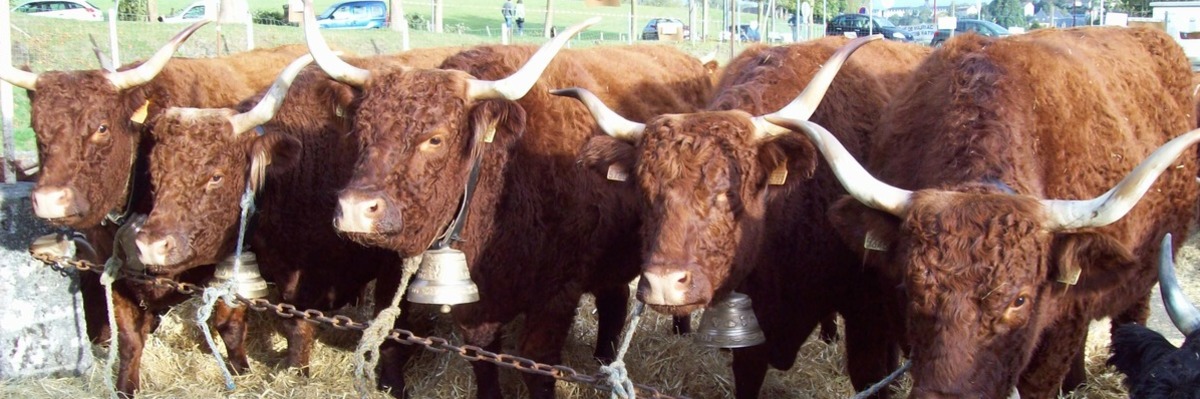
<point>432,343</point>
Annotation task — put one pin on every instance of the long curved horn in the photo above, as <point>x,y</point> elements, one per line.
<point>1114,204</point>
<point>151,67</point>
<point>270,103</point>
<point>858,182</point>
<point>707,58</point>
<point>329,62</point>
<point>515,86</point>
<point>610,122</point>
<point>1182,312</point>
<point>19,78</point>
<point>806,103</point>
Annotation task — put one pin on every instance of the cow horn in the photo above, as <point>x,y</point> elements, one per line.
<point>1114,204</point>
<point>329,62</point>
<point>1182,312</point>
<point>515,86</point>
<point>19,78</point>
<point>707,58</point>
<point>151,67</point>
<point>610,122</point>
<point>270,103</point>
<point>806,103</point>
<point>858,182</point>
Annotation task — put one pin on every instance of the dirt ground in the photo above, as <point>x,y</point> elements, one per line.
<point>177,363</point>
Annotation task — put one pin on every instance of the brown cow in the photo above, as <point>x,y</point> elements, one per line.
<point>710,215</point>
<point>90,150</point>
<point>540,231</point>
<point>1001,279</point>
<point>308,151</point>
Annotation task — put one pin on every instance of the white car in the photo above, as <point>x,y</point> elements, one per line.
<point>192,13</point>
<point>69,9</point>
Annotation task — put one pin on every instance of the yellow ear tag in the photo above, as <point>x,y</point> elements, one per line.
<point>617,173</point>
<point>779,175</point>
<point>874,243</point>
<point>490,135</point>
<point>139,116</point>
<point>1069,276</point>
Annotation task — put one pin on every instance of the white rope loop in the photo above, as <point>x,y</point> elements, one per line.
<point>615,373</point>
<point>366,355</point>
<point>111,267</point>
<point>209,300</point>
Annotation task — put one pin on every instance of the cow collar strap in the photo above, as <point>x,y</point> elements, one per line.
<point>455,228</point>
<point>119,218</point>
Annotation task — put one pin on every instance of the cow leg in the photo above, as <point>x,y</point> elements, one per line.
<point>231,324</point>
<point>133,326</point>
<point>542,340</point>
<point>487,375</point>
<point>870,353</point>
<point>392,355</point>
<point>749,369</point>
<point>95,308</point>
<point>300,335</point>
<point>611,307</point>
<point>1060,344</point>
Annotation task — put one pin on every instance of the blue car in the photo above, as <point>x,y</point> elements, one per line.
<point>354,14</point>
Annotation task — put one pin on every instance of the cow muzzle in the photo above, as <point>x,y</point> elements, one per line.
<point>53,202</point>
<point>661,286</point>
<point>161,249</point>
<point>359,212</point>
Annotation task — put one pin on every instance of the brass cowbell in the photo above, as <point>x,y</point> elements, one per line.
<point>248,282</point>
<point>730,323</point>
<point>443,279</point>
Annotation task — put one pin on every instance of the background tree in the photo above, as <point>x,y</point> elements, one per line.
<point>1007,13</point>
<point>835,7</point>
<point>132,10</point>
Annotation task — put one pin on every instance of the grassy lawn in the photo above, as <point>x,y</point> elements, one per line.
<point>52,44</point>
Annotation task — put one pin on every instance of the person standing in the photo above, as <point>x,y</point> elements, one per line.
<point>520,14</point>
<point>507,11</point>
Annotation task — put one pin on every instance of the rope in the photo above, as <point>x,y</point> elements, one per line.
<point>615,372</point>
<point>214,293</point>
<point>377,332</point>
<point>879,386</point>
<point>111,267</point>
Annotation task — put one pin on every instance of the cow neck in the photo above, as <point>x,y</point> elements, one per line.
<point>454,229</point>
<point>113,217</point>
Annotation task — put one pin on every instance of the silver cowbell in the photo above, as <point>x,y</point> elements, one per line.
<point>248,282</point>
<point>730,323</point>
<point>443,279</point>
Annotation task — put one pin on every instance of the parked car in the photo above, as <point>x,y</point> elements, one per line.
<point>355,14</point>
<point>979,26</point>
<point>650,32</point>
<point>69,9</point>
<point>192,13</point>
<point>864,25</point>
<point>745,33</point>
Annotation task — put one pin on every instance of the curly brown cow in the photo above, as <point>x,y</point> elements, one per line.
<point>1001,279</point>
<point>711,215</point>
<point>308,151</point>
<point>93,164</point>
<point>540,231</point>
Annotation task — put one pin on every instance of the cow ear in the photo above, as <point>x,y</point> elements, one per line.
<point>608,156</point>
<point>869,232</point>
<point>1091,262</point>
<point>497,121</point>
<point>787,159</point>
<point>279,151</point>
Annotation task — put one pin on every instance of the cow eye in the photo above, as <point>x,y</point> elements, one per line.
<point>432,143</point>
<point>101,135</point>
<point>214,181</point>
<point>217,178</point>
<point>1019,302</point>
<point>435,140</point>
<point>103,129</point>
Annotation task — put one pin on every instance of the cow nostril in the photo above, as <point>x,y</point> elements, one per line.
<point>168,244</point>
<point>685,279</point>
<point>374,208</point>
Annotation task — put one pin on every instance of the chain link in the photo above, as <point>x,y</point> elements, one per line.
<point>341,322</point>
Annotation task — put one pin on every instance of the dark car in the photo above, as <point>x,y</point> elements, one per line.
<point>650,32</point>
<point>979,26</point>
<point>864,25</point>
<point>746,33</point>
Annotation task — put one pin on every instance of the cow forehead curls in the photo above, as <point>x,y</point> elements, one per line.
<point>412,102</point>
<point>986,238</point>
<point>680,145</point>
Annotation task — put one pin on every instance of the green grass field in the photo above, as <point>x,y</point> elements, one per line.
<point>46,44</point>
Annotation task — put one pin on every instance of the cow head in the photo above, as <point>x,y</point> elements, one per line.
<point>85,138</point>
<point>982,265</point>
<point>1153,367</point>
<point>419,130</point>
<point>704,179</point>
<point>200,167</point>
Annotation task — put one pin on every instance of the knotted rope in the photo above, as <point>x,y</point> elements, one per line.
<point>377,332</point>
<point>879,386</point>
<point>226,290</point>
<point>615,372</point>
